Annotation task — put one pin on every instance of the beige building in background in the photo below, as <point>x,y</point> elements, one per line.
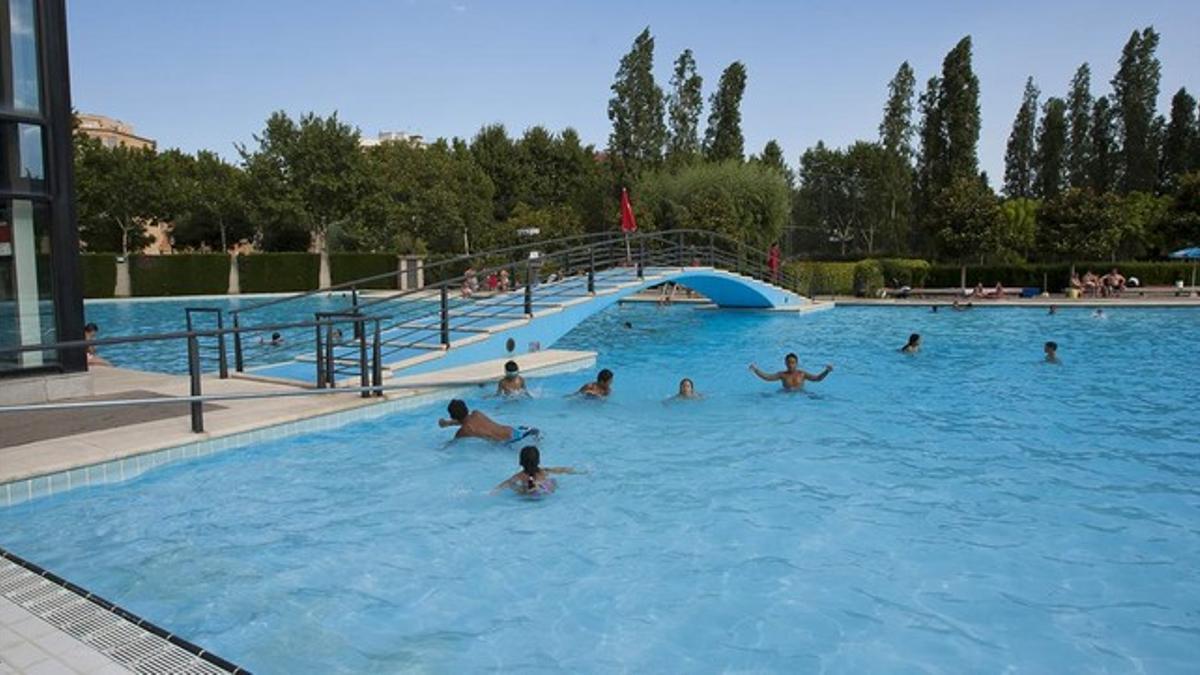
<point>415,140</point>
<point>112,132</point>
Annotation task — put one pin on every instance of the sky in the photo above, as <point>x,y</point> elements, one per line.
<point>205,75</point>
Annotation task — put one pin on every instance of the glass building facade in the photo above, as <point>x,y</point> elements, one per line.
<point>40,290</point>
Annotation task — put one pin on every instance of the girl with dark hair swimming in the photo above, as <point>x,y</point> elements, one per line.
<point>533,479</point>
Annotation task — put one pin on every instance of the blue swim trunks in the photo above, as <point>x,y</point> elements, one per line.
<point>519,433</point>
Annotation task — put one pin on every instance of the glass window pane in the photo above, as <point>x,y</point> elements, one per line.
<point>22,165</point>
<point>23,24</point>
<point>26,293</point>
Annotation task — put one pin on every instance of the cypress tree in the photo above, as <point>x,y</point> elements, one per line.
<point>1018,157</point>
<point>1180,140</point>
<point>1079,123</point>
<point>1135,89</point>
<point>723,139</point>
<point>1051,149</point>
<point>1102,174</point>
<point>683,109</point>
<point>895,131</point>
<point>636,111</point>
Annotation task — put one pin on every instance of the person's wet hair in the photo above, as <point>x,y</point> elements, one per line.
<point>605,375</point>
<point>91,328</point>
<point>275,336</point>
<point>511,368</point>
<point>688,382</point>
<point>791,356</point>
<point>457,409</point>
<point>530,460</point>
<point>914,338</point>
<point>1052,346</point>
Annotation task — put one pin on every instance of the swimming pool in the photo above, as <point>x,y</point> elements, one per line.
<point>119,318</point>
<point>967,509</point>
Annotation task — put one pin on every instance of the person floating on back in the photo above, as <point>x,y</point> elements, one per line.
<point>601,388</point>
<point>533,480</point>
<point>477,425</point>
<point>1051,349</point>
<point>793,378</point>
<point>913,346</point>
<point>512,384</point>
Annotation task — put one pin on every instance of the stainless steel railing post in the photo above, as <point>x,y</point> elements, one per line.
<point>197,407</point>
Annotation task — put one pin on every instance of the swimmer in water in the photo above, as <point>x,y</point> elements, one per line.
<point>1053,310</point>
<point>477,425</point>
<point>933,309</point>
<point>1051,349</point>
<point>1099,314</point>
<point>601,388</point>
<point>793,378</point>
<point>687,390</point>
<point>512,384</point>
<point>533,479</point>
<point>913,346</point>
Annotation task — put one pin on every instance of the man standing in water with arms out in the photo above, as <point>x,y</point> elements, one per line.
<point>793,378</point>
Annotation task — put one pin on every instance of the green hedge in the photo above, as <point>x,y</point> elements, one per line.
<point>99,272</point>
<point>824,278</point>
<point>868,277</point>
<point>345,267</point>
<point>899,272</point>
<point>191,274</point>
<point>1056,276</point>
<point>278,272</point>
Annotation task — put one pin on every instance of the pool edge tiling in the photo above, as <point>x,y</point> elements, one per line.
<point>108,636</point>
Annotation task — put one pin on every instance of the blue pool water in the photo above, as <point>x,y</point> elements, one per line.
<point>967,509</point>
<point>119,318</point>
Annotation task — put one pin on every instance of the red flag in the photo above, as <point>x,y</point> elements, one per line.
<point>628,222</point>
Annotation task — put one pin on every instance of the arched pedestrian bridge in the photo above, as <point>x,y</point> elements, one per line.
<point>504,303</point>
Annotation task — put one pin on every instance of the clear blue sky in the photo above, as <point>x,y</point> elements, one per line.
<point>206,74</point>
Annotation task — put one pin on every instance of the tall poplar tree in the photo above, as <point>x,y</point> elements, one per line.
<point>958,102</point>
<point>1135,90</point>
<point>723,138</point>
<point>1050,161</point>
<point>636,110</point>
<point>895,131</point>
<point>1180,141</point>
<point>1018,157</point>
<point>1102,171</point>
<point>1079,124</point>
<point>933,142</point>
<point>683,109</point>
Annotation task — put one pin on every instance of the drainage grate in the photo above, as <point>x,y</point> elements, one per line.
<point>110,630</point>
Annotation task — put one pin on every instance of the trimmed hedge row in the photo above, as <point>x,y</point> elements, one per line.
<point>194,274</point>
<point>345,267</point>
<point>824,278</point>
<point>99,271</point>
<point>278,272</point>
<point>1056,276</point>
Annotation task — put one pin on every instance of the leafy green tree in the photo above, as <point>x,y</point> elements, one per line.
<point>214,214</point>
<point>118,192</point>
<point>636,111</point>
<point>1082,225</point>
<point>1079,122</point>
<point>501,160</point>
<point>723,139</point>
<point>772,157</point>
<point>748,202</point>
<point>970,223</point>
<point>1102,171</point>
<point>848,202</point>
<point>553,222</point>
<point>311,171</point>
<point>1135,91</point>
<point>1019,226</point>
<point>958,102</point>
<point>1180,140</point>
<point>1181,222</point>
<point>1019,156</point>
<point>896,131</point>
<point>1050,161</point>
<point>683,108</point>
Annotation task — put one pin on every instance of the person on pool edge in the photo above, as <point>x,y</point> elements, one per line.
<point>512,384</point>
<point>793,378</point>
<point>533,479</point>
<point>474,424</point>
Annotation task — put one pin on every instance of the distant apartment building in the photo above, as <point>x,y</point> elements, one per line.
<point>415,140</point>
<point>112,133</point>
